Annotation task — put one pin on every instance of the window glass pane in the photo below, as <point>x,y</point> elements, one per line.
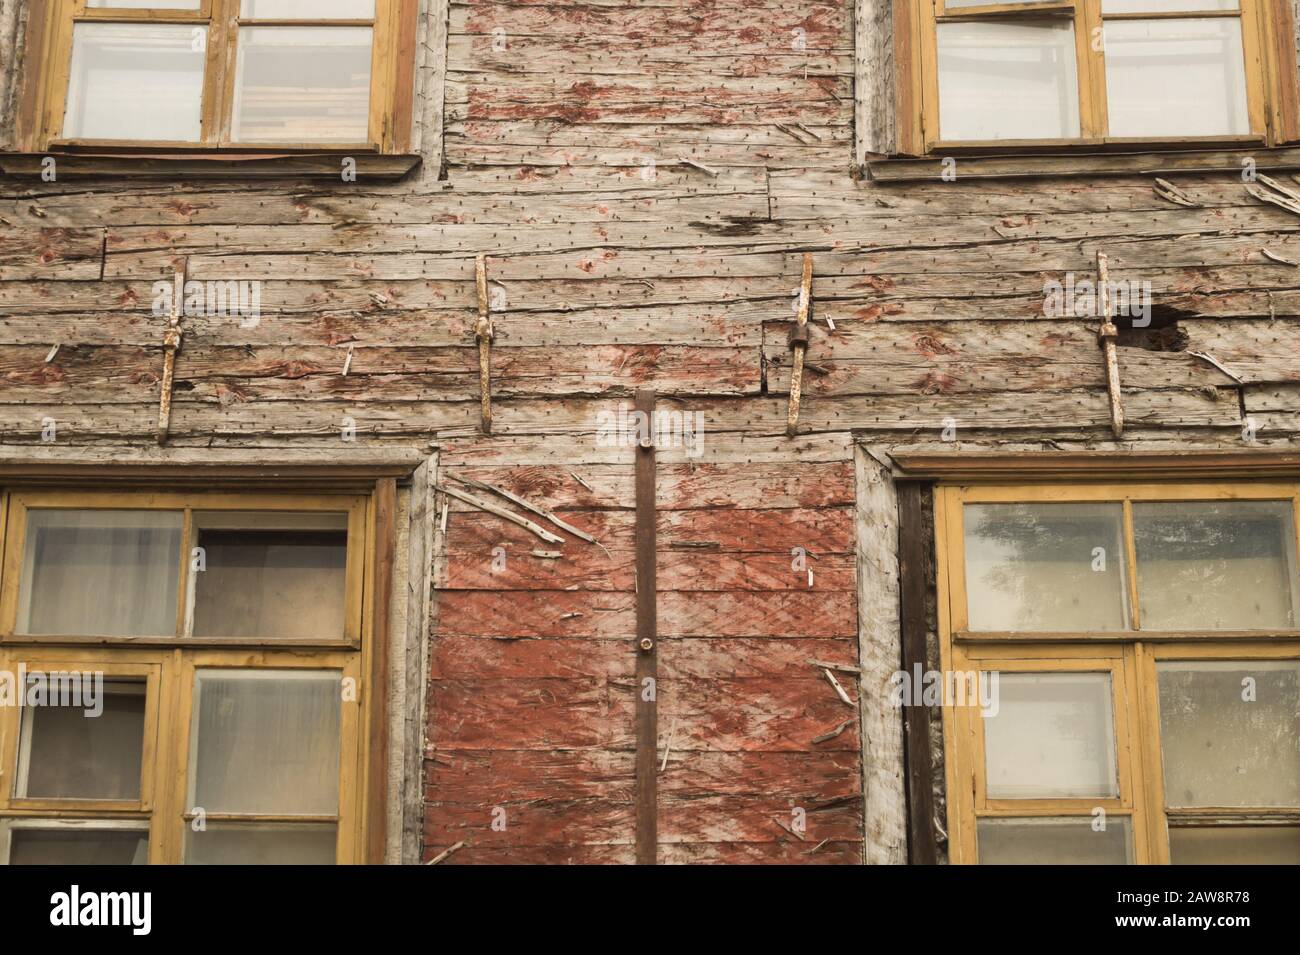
<point>1053,736</point>
<point>1049,567</point>
<point>135,81</point>
<point>1166,6</point>
<point>955,4</point>
<point>78,846</point>
<point>1230,733</point>
<point>1000,80</point>
<point>100,573</point>
<point>1061,840</point>
<point>261,844</point>
<point>308,9</point>
<point>266,741</point>
<point>71,753</point>
<point>143,4</point>
<point>270,575</point>
<point>1235,845</point>
<point>302,84</point>
<point>1215,565</point>
<point>1176,78</point>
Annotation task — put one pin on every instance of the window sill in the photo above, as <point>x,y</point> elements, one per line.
<point>1021,166</point>
<point>371,167</point>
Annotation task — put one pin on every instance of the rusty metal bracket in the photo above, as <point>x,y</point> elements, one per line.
<point>172,337</point>
<point>1107,335</point>
<point>799,342</point>
<point>483,333</point>
<point>646,647</point>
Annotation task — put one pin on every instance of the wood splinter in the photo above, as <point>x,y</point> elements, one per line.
<point>1108,334</point>
<point>483,333</point>
<point>799,344</point>
<point>171,345</point>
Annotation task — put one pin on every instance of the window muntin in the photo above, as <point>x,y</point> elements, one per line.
<point>1206,722</point>
<point>224,748</point>
<point>222,74</point>
<point>1093,71</point>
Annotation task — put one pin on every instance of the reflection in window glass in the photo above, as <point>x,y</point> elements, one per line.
<point>1053,736</point>
<point>1215,565</point>
<point>261,844</point>
<point>1230,733</point>
<point>70,753</point>
<point>1045,567</point>
<point>100,573</point>
<point>1002,80</point>
<point>1165,6</point>
<point>302,85</point>
<point>270,575</point>
<point>1235,845</point>
<point>135,81</point>
<point>1062,840</point>
<point>1176,78</point>
<point>78,845</point>
<point>308,9</point>
<point>266,741</point>
<point>143,4</point>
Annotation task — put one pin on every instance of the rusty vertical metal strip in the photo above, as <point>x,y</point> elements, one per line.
<point>1108,334</point>
<point>171,345</point>
<point>799,344</point>
<point>914,582</point>
<point>647,639</point>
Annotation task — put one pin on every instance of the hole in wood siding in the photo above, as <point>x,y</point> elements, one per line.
<point>1162,333</point>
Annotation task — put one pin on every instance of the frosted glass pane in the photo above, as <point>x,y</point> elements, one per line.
<point>1000,80</point>
<point>262,844</point>
<point>1221,749</point>
<point>1176,78</point>
<point>303,85</point>
<point>1053,736</point>
<point>1235,845</point>
<point>266,741</point>
<point>1166,6</point>
<point>78,846</point>
<point>143,4</point>
<point>1050,567</point>
<point>1054,841</point>
<point>1206,565</point>
<point>100,573</point>
<point>68,754</point>
<point>135,81</point>
<point>308,9</point>
<point>271,576</point>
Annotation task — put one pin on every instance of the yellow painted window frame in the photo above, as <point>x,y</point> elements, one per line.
<point>49,59</point>
<point>1130,658</point>
<point>168,665</point>
<point>1268,53</point>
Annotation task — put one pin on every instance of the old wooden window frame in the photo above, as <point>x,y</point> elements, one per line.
<point>1269,54</point>
<point>48,60</point>
<point>1129,656</point>
<point>169,665</point>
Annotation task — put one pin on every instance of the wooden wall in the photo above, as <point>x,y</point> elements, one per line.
<point>619,273</point>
